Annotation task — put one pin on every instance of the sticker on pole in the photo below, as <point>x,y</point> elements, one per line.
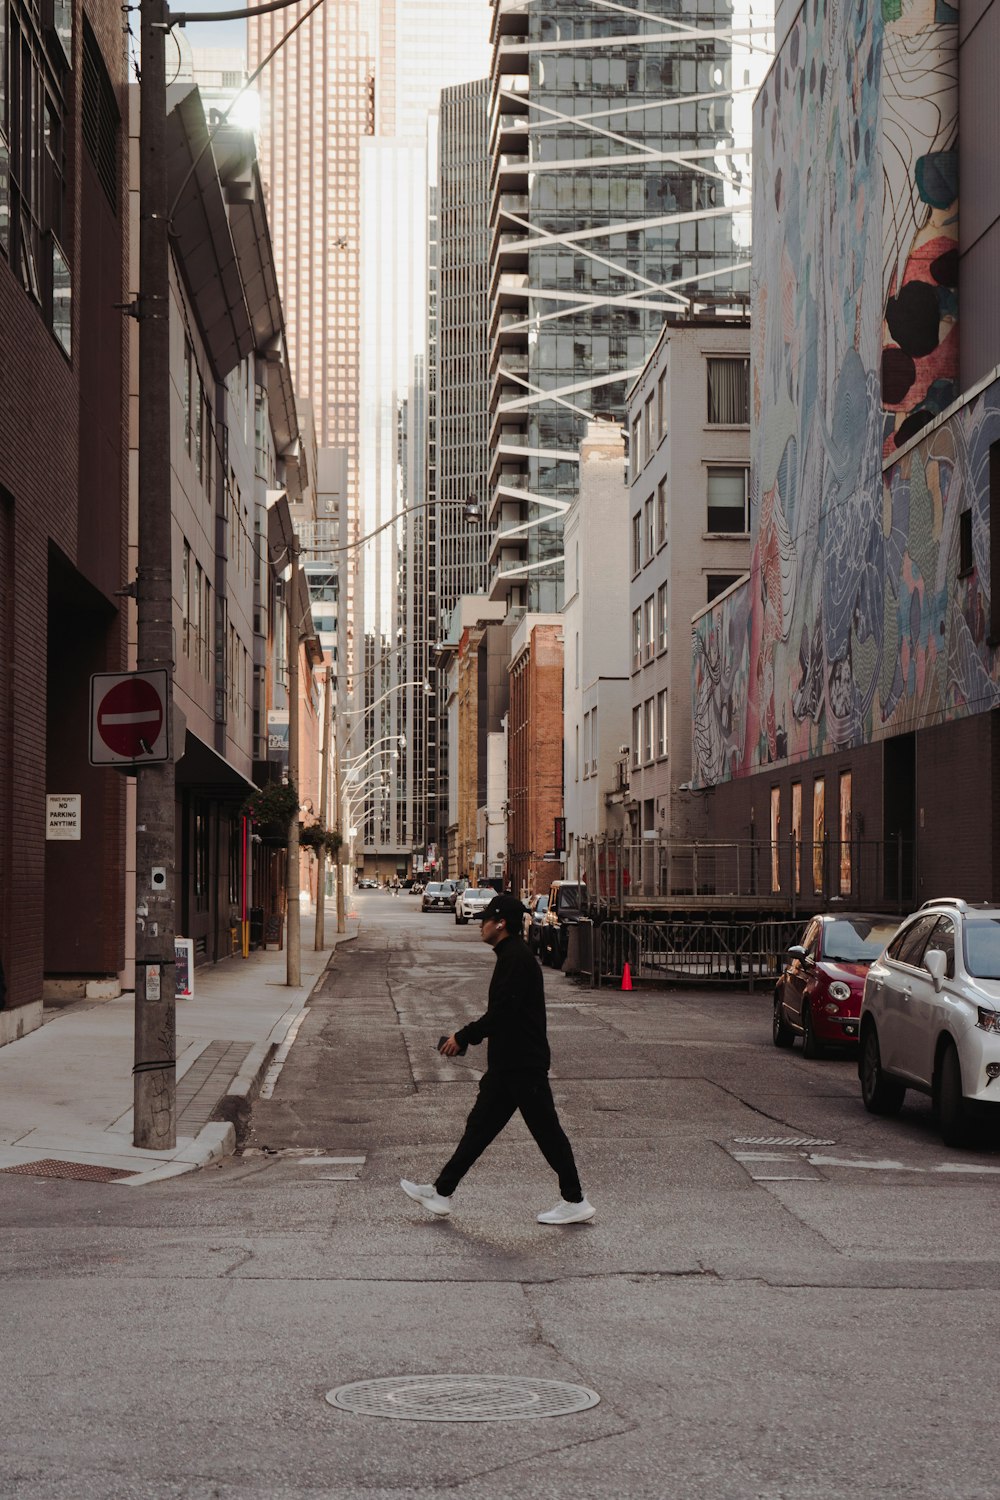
<point>129,719</point>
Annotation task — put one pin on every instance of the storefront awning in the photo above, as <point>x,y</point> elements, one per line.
<point>204,770</point>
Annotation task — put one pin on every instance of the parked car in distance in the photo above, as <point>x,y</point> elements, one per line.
<point>439,895</point>
<point>533,920</point>
<point>367,884</point>
<point>818,997</point>
<point>470,902</point>
<point>417,888</point>
<point>562,911</point>
<point>930,1019</point>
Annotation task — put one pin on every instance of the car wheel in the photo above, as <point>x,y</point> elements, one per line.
<point>811,1044</point>
<point>880,1094</point>
<point>953,1116</point>
<point>781,1033</point>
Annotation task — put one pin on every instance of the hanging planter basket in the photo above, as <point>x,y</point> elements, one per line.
<point>271,809</point>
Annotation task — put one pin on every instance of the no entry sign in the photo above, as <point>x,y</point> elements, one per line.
<point>128,718</point>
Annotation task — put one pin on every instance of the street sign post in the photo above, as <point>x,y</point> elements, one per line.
<point>129,723</point>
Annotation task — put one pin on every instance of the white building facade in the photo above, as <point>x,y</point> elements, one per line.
<point>597,690</point>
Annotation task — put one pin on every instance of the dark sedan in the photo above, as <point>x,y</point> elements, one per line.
<point>439,896</point>
<point>818,997</point>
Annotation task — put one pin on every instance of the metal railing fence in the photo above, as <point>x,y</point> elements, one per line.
<point>689,952</point>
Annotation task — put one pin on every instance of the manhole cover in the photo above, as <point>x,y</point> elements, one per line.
<point>79,1171</point>
<point>462,1398</point>
<point>781,1140</point>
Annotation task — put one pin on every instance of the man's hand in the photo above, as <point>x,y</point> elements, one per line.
<point>449,1047</point>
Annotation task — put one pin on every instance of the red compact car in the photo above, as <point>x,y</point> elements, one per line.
<point>818,997</point>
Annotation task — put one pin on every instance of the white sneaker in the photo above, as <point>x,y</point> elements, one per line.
<point>427,1195</point>
<point>566,1213</point>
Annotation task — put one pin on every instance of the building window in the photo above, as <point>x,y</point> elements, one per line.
<point>650,529</point>
<point>718,583</point>
<point>586,726</point>
<point>965,558</point>
<point>576,659</point>
<point>846,793</point>
<point>186,391</point>
<point>594,742</point>
<point>648,728</point>
<point>637,735</point>
<point>636,639</point>
<point>661,401</point>
<point>662,616</point>
<point>818,832</point>
<point>728,509</point>
<point>661,513</point>
<point>636,543</point>
<point>662,739</point>
<point>649,433</point>
<point>649,634</point>
<point>775,839</point>
<point>34,74</point>
<point>729,392</point>
<point>635,454</point>
<point>186,600</point>
<point>797,833</point>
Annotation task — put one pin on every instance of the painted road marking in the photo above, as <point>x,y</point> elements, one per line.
<point>803,1166</point>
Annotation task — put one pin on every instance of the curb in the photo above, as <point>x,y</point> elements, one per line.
<point>234,1106</point>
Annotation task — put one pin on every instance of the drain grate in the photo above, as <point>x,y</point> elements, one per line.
<point>462,1398</point>
<point>781,1140</point>
<point>77,1170</point>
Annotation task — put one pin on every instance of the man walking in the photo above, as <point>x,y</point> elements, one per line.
<point>517,1072</point>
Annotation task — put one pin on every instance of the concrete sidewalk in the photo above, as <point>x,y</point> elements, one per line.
<point>66,1088</point>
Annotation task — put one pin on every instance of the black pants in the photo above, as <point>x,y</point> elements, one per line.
<point>500,1094</point>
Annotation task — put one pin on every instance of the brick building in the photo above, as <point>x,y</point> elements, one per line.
<point>534,752</point>
<point>63,491</point>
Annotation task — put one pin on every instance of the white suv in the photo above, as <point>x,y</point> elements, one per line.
<point>472,901</point>
<point>930,1018</point>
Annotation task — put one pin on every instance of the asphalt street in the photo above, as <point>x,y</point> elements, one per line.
<point>780,1298</point>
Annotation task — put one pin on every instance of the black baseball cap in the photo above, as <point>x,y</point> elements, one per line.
<point>504,909</point>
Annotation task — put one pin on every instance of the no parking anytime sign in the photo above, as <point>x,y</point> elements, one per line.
<point>128,718</point>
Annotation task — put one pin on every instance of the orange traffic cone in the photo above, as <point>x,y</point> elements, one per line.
<point>626,978</point>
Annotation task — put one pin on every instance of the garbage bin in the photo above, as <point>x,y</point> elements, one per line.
<point>579,947</point>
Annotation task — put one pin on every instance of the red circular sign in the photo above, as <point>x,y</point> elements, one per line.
<point>130,718</point>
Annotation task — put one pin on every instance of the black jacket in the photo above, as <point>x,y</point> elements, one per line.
<point>514,1022</point>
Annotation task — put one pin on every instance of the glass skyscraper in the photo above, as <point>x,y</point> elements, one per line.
<point>620,191</point>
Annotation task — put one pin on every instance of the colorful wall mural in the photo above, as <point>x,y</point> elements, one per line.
<point>854,623</point>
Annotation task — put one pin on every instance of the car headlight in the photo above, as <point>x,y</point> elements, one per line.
<point>989,1020</point>
<point>839,990</point>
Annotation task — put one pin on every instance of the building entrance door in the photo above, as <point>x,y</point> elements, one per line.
<point>899,817</point>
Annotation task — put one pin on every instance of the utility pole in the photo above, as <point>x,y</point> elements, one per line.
<point>293,951</point>
<point>155,1078</point>
<point>324,815</point>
